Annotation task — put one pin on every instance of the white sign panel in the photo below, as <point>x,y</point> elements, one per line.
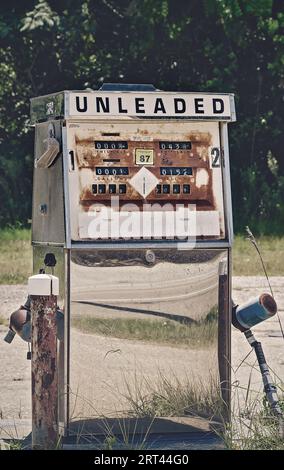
<point>144,182</point>
<point>151,104</point>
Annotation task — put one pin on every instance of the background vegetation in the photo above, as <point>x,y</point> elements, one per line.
<point>191,45</point>
<point>16,256</point>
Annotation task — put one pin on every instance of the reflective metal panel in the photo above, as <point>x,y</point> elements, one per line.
<point>144,335</point>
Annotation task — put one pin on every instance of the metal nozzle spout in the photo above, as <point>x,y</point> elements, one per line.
<point>10,336</point>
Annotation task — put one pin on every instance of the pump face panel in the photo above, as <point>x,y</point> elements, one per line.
<point>158,167</point>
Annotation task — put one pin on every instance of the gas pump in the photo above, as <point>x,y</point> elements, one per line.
<point>132,198</point>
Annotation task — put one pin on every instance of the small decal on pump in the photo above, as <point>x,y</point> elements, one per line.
<point>50,108</point>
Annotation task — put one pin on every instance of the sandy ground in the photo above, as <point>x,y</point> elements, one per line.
<point>15,399</point>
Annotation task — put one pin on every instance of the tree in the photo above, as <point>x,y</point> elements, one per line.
<point>210,45</point>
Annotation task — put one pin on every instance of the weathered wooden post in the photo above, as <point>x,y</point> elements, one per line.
<point>43,290</point>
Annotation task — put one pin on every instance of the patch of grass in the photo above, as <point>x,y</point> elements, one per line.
<point>127,439</point>
<point>246,261</point>
<point>15,233</point>
<point>173,397</point>
<point>196,335</point>
<point>15,255</point>
<point>14,444</point>
<point>253,426</point>
<point>260,434</point>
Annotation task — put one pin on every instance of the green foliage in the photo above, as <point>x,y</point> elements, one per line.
<point>41,16</point>
<point>247,263</point>
<point>15,255</point>
<point>15,268</point>
<point>221,45</point>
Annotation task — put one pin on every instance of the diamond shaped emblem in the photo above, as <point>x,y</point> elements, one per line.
<point>144,182</point>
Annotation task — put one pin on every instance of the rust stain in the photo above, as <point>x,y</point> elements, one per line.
<point>197,157</point>
<point>44,372</point>
<point>269,303</point>
<point>88,158</point>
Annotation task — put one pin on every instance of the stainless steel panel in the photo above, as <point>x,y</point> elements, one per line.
<point>144,336</point>
<point>48,203</point>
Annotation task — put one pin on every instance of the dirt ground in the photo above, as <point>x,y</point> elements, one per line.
<point>15,402</point>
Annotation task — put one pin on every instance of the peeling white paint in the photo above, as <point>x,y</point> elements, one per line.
<point>202,177</point>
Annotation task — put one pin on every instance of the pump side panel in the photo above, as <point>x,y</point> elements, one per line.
<point>48,203</point>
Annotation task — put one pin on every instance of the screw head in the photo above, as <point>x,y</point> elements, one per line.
<point>150,257</point>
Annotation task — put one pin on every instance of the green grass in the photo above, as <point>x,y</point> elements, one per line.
<point>253,432</point>
<point>155,331</point>
<point>246,261</point>
<point>173,397</point>
<point>16,256</point>
<point>253,426</point>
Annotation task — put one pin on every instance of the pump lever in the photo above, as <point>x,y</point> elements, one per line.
<point>48,157</point>
<point>53,149</point>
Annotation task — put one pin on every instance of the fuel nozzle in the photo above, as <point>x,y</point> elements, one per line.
<point>20,324</point>
<point>9,336</point>
<point>254,311</point>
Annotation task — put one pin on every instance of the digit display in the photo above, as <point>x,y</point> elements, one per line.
<point>169,145</point>
<point>111,144</point>
<point>175,171</point>
<point>111,171</point>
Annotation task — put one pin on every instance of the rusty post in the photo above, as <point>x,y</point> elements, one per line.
<point>224,337</point>
<point>43,291</point>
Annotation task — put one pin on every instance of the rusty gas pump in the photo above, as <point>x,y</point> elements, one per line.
<point>132,200</point>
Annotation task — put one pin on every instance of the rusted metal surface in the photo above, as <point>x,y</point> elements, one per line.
<point>269,303</point>
<point>187,175</point>
<point>44,372</point>
<point>88,158</point>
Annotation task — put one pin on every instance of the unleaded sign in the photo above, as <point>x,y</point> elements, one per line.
<point>183,105</point>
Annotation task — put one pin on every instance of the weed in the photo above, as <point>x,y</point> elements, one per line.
<point>245,263</point>
<point>173,397</point>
